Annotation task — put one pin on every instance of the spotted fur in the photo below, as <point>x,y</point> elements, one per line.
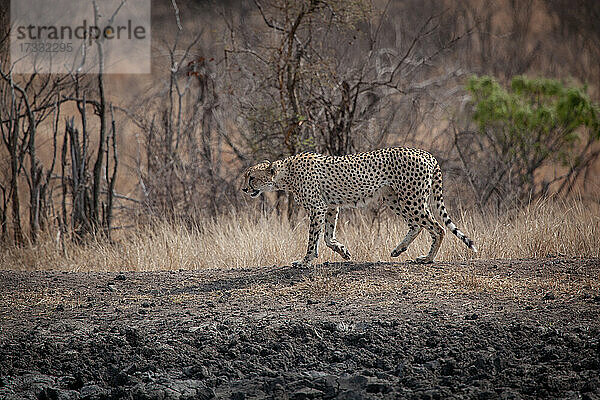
<point>404,178</point>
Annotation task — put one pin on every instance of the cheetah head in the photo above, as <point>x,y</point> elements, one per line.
<point>259,178</point>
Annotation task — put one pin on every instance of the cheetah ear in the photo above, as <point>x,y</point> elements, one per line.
<point>269,167</point>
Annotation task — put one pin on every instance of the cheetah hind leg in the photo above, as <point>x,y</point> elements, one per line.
<point>393,201</point>
<point>412,233</point>
<point>437,235</point>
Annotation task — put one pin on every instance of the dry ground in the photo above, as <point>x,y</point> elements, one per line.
<point>475,329</point>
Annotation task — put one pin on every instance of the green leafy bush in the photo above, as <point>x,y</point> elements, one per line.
<point>535,122</point>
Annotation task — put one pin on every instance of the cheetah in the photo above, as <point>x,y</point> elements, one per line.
<point>403,177</point>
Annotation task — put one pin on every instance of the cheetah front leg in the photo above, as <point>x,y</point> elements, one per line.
<point>330,240</point>
<point>317,218</point>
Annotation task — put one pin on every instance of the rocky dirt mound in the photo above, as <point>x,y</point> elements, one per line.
<point>343,331</point>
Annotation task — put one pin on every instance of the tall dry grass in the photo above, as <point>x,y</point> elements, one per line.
<point>543,228</point>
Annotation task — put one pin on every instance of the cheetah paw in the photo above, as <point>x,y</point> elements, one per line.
<point>423,260</point>
<point>301,263</point>
<point>344,253</point>
<point>397,252</point>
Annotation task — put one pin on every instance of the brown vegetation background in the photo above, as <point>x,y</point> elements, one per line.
<point>142,172</point>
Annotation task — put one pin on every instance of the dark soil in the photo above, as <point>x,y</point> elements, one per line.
<point>483,329</point>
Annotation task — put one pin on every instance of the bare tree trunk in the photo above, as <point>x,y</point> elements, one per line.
<point>14,187</point>
<point>112,178</point>
<point>62,225</point>
<point>3,207</point>
<point>96,183</point>
<point>35,173</point>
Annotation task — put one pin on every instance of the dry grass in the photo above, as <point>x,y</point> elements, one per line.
<point>544,228</point>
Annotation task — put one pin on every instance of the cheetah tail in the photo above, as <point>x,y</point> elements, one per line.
<point>441,209</point>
